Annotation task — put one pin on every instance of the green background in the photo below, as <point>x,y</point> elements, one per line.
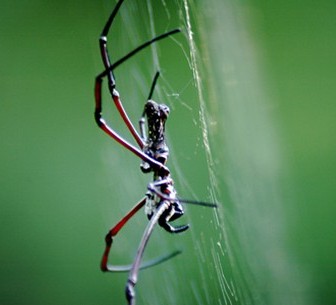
<point>255,133</point>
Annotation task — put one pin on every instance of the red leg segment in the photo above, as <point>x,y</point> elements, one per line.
<point>114,231</point>
<point>103,125</point>
<point>115,96</point>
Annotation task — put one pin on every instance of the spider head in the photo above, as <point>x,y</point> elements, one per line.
<point>157,115</point>
<point>155,146</point>
<point>154,110</point>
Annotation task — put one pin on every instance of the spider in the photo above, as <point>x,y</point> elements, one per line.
<point>161,203</point>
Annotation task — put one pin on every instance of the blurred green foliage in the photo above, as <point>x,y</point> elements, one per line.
<point>268,82</point>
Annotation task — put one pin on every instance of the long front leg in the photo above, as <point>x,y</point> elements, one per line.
<point>108,130</point>
<point>110,76</point>
<point>133,275</point>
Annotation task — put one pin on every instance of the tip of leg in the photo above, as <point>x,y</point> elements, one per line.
<point>130,293</point>
<point>182,228</point>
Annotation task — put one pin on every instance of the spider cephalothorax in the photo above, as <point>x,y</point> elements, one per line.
<point>157,115</point>
<point>155,144</point>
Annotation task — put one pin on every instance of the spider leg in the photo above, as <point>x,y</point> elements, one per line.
<point>110,67</point>
<point>105,267</point>
<point>133,275</point>
<point>138,49</point>
<point>103,43</point>
<point>171,229</point>
<point>108,130</point>
<point>108,72</point>
<point>156,76</point>
<point>114,231</point>
<point>110,76</point>
<point>174,212</point>
<point>152,187</point>
<point>145,265</point>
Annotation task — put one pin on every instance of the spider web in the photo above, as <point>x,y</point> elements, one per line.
<point>231,253</point>
<point>243,159</point>
<point>205,289</point>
